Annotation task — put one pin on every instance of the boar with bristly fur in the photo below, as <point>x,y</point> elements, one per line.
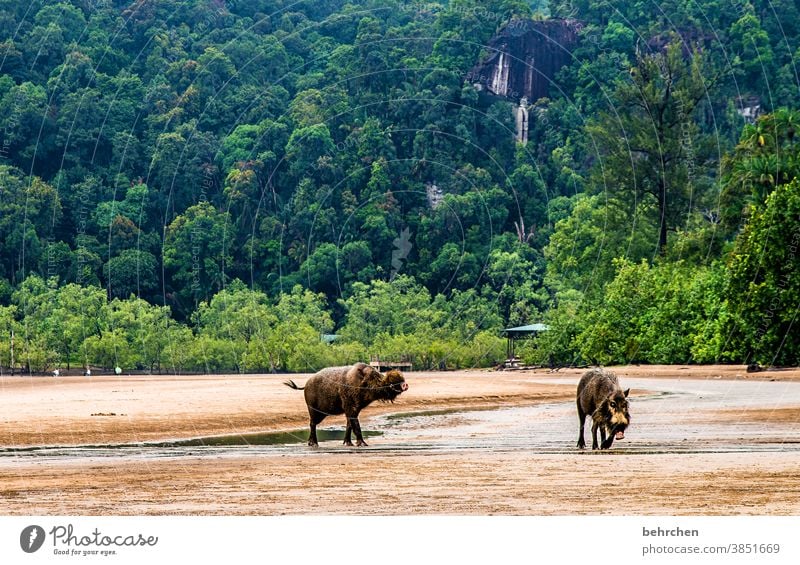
<point>601,397</point>
<point>347,390</point>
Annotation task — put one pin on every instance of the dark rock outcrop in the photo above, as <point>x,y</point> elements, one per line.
<point>525,57</point>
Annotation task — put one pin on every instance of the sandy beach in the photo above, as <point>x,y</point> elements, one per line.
<point>468,442</point>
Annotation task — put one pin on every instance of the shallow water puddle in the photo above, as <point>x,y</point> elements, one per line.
<point>675,416</point>
<point>267,438</point>
<point>288,437</point>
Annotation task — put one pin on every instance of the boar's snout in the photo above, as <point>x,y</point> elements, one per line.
<point>399,388</point>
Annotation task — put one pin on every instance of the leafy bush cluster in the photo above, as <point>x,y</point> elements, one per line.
<point>242,330</point>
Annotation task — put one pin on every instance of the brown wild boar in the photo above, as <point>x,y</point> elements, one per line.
<point>347,390</point>
<point>601,397</point>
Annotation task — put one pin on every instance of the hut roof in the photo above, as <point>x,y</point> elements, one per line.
<point>521,331</point>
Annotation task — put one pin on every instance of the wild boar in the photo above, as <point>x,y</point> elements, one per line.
<point>601,397</point>
<point>347,390</point>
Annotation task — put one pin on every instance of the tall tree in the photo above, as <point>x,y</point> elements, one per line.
<point>648,142</point>
<point>196,255</point>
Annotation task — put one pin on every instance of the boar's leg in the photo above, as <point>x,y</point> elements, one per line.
<point>595,425</point>
<point>312,436</point>
<point>582,421</point>
<point>347,434</point>
<point>602,436</point>
<point>315,418</point>
<point>351,411</point>
<point>354,423</point>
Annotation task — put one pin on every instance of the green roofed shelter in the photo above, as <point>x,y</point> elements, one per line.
<point>328,338</point>
<point>521,332</point>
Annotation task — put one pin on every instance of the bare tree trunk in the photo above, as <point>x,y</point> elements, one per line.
<point>662,210</point>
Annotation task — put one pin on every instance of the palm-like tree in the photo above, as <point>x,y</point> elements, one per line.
<point>765,157</point>
<point>766,154</point>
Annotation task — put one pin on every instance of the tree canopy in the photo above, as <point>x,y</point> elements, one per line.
<point>211,186</point>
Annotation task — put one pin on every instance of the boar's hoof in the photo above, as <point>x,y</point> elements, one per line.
<point>347,443</point>
<point>581,444</point>
<point>361,442</point>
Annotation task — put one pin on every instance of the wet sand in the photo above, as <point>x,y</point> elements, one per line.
<point>704,440</point>
<point>401,484</point>
<point>96,410</point>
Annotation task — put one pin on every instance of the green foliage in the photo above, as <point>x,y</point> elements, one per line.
<point>649,141</point>
<point>763,286</point>
<point>196,252</point>
<point>131,272</point>
<point>133,207</point>
<point>766,156</point>
<point>751,46</point>
<point>111,349</point>
<point>647,315</point>
<point>154,154</point>
<point>389,308</point>
<point>557,346</point>
<point>667,313</point>
<point>583,245</point>
<point>8,326</point>
<point>29,212</point>
<point>399,319</point>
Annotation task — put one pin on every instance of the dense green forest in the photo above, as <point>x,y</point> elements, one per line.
<point>213,185</point>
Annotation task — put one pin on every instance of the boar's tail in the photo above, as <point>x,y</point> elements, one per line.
<point>291,384</point>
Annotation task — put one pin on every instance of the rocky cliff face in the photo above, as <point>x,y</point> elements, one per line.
<point>525,57</point>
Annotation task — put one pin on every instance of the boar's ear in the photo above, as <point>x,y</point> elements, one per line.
<point>370,374</point>
<point>627,390</point>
